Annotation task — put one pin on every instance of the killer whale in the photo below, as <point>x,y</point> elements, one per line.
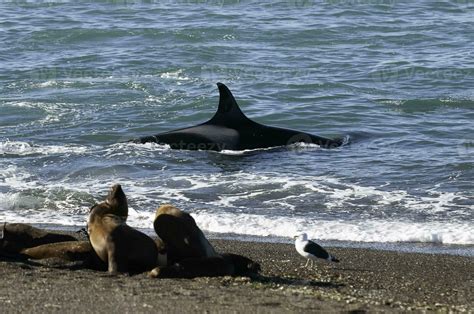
<point>230,129</point>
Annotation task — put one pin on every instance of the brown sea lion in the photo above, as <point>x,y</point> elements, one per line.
<point>16,237</point>
<point>69,251</point>
<point>123,248</point>
<point>183,238</point>
<point>189,252</point>
<point>22,241</point>
<point>79,252</point>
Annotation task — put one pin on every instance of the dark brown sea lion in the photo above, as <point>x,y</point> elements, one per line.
<point>194,267</point>
<point>189,252</point>
<point>16,237</point>
<point>123,248</point>
<point>69,251</point>
<point>183,238</point>
<point>79,252</point>
<point>242,266</point>
<point>224,265</point>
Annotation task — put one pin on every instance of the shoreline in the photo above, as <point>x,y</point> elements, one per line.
<point>365,280</point>
<point>466,250</point>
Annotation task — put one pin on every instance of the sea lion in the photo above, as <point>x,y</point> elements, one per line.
<point>183,238</point>
<point>223,265</point>
<point>242,266</point>
<point>123,248</point>
<point>189,252</point>
<point>194,267</point>
<point>16,237</point>
<point>79,252</point>
<point>21,241</point>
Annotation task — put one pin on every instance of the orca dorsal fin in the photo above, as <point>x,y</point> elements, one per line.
<point>228,113</point>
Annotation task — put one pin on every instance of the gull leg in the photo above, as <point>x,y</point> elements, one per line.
<point>307,261</point>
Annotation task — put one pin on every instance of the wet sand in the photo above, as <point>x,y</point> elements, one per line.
<point>364,280</point>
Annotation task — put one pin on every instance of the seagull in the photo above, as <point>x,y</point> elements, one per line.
<point>311,250</point>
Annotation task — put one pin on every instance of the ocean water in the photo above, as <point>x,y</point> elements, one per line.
<point>78,78</point>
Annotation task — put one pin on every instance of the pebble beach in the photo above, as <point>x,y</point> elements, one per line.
<point>365,280</point>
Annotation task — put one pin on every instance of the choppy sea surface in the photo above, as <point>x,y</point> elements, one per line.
<point>79,78</point>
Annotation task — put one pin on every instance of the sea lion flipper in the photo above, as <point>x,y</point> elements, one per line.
<point>118,201</point>
<point>112,261</point>
<point>2,230</point>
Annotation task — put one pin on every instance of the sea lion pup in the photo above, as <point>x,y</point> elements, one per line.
<point>123,248</point>
<point>181,235</point>
<point>16,237</point>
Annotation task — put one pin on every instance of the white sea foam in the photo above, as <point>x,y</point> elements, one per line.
<point>130,148</point>
<point>24,148</point>
<point>338,194</point>
<point>14,178</point>
<point>359,231</point>
<point>52,83</point>
<point>26,198</point>
<point>175,75</point>
<point>279,226</point>
<point>296,146</point>
<point>239,152</point>
<point>55,113</point>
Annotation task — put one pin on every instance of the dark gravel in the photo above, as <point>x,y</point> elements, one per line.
<point>364,280</point>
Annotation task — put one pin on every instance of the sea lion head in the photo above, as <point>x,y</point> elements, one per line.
<point>168,209</point>
<point>117,200</point>
<point>115,203</point>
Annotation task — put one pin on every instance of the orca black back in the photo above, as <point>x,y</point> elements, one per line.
<point>231,129</point>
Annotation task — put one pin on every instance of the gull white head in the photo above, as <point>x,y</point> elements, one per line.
<point>301,237</point>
